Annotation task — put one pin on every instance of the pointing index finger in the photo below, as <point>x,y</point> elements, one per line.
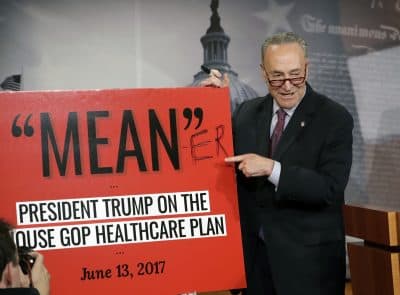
<point>234,159</point>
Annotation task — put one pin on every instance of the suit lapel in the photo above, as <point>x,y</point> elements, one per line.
<point>263,126</point>
<point>302,117</point>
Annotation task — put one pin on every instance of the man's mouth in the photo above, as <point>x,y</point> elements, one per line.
<point>287,94</point>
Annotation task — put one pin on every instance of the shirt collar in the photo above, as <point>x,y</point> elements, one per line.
<point>289,112</point>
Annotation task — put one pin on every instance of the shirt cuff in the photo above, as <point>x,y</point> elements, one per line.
<point>275,174</point>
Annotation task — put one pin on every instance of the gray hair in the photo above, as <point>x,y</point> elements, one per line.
<point>283,38</point>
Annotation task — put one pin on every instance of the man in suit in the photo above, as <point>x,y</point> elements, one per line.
<point>293,152</point>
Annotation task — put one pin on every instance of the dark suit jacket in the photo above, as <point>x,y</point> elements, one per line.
<point>302,219</point>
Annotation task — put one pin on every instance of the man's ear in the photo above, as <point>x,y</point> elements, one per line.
<point>263,72</point>
<point>306,67</point>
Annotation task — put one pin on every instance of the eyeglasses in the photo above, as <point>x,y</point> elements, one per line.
<point>296,81</point>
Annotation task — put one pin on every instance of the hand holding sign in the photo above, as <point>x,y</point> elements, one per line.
<point>216,79</point>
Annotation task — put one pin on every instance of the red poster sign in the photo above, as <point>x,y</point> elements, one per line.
<point>123,191</point>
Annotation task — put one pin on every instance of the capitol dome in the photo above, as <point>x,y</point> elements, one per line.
<point>215,44</point>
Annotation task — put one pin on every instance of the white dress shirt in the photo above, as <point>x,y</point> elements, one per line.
<point>276,170</point>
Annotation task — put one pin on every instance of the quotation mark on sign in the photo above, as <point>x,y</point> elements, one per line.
<point>16,130</point>
<point>188,114</point>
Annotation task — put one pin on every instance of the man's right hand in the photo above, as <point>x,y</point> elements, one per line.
<point>216,79</point>
<point>252,165</point>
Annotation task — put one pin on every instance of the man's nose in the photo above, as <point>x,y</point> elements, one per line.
<point>287,85</point>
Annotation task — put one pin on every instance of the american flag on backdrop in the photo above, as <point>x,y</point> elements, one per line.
<point>12,83</point>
